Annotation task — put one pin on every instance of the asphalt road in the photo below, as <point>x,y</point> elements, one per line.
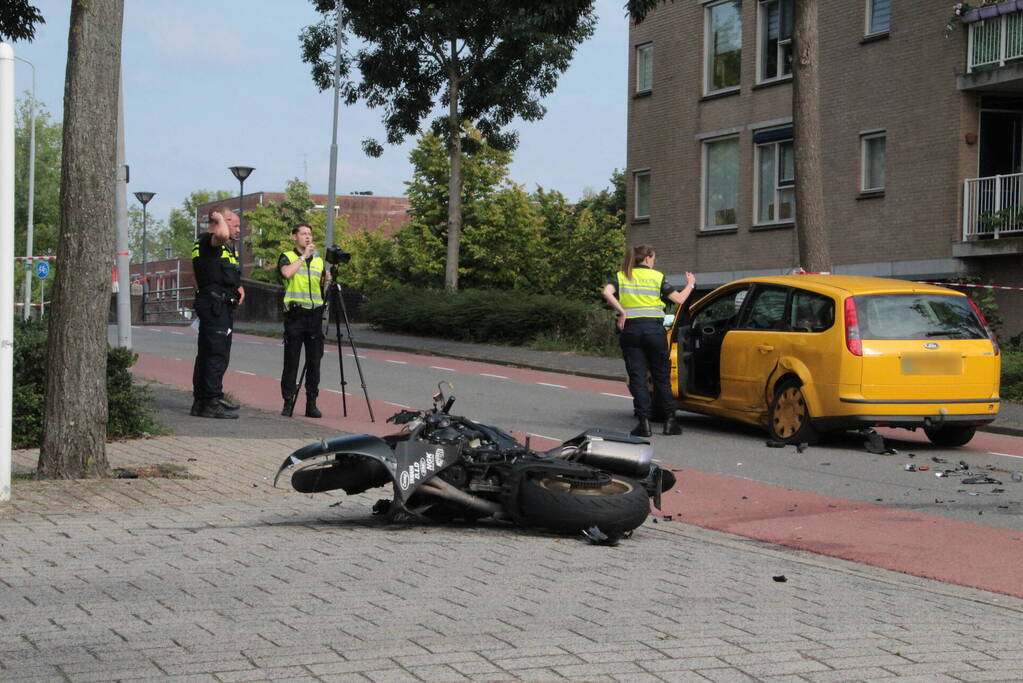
<point>558,407</point>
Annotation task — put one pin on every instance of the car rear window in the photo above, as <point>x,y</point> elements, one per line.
<point>917,316</point>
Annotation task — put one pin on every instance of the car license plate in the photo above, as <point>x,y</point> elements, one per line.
<point>932,364</point>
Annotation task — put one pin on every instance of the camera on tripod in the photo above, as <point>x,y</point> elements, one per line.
<point>336,255</point>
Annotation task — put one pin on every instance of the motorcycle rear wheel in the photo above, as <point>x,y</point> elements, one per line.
<point>551,503</point>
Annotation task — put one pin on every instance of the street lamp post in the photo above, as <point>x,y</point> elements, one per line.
<point>241,173</point>
<point>144,197</point>
<point>26,309</point>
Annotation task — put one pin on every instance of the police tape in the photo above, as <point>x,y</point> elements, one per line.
<point>35,258</point>
<point>963,284</point>
<point>22,304</point>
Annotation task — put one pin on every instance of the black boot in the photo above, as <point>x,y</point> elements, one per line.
<point>310,407</point>
<point>642,427</point>
<point>196,407</point>
<point>672,427</point>
<point>212,408</point>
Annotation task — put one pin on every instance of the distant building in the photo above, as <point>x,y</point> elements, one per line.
<point>923,140</point>
<point>363,212</point>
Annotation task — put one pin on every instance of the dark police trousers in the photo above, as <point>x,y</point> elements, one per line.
<point>302,328</point>
<point>645,348</point>
<point>216,320</point>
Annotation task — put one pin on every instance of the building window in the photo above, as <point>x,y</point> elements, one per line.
<point>642,194</point>
<point>879,16</point>
<point>723,38</point>
<point>776,178</point>
<point>873,160</point>
<point>720,182</point>
<point>775,56</point>
<point>644,67</point>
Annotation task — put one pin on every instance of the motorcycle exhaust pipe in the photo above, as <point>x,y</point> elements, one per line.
<point>443,489</point>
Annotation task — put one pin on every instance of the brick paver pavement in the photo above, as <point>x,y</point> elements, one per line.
<point>223,578</point>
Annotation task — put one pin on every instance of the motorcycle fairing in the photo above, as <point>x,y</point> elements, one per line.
<point>417,461</point>
<point>365,445</point>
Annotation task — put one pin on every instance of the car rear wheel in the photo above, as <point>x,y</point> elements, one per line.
<point>950,436</point>
<point>789,417</point>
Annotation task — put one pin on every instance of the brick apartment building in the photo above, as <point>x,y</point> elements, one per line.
<point>923,135</point>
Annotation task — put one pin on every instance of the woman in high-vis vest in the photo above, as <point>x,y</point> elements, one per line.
<point>637,293</point>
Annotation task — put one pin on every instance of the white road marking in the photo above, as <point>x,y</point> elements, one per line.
<point>397,362</point>
<point>604,393</point>
<point>556,386</point>
<point>437,367</point>
<point>244,372</point>
<point>400,405</point>
<point>542,436</point>
<point>173,332</point>
<point>487,374</point>
<point>1007,455</point>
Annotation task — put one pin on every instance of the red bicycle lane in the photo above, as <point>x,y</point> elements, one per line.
<point>928,546</point>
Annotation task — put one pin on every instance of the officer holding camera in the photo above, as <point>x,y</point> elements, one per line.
<point>218,277</point>
<point>305,275</point>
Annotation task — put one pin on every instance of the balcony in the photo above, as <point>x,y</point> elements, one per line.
<point>995,48</point>
<point>993,207</point>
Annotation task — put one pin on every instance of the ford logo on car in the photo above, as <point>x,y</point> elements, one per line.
<point>930,345</point>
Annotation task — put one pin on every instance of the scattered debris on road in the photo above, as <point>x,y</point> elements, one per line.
<point>780,578</point>
<point>875,443</point>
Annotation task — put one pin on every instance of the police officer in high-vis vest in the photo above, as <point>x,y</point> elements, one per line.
<point>218,277</point>
<point>637,293</point>
<point>304,276</point>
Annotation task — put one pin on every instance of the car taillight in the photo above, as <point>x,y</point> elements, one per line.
<point>983,321</point>
<point>852,328</point>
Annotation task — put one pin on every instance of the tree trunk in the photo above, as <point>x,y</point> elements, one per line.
<point>75,422</point>
<point>811,233</point>
<point>454,182</point>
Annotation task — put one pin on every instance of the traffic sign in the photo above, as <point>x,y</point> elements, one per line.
<point>42,270</point>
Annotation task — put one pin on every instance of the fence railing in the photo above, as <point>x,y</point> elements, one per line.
<point>168,305</point>
<point>994,42</point>
<point>992,207</point>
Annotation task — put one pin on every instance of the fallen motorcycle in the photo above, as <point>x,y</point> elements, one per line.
<point>445,467</point>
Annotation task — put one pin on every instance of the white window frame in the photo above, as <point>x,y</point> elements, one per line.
<point>648,48</point>
<point>636,175</point>
<point>864,138</point>
<point>778,186</point>
<point>708,63</point>
<point>704,171</point>
<point>761,39</point>
<point>869,30</point>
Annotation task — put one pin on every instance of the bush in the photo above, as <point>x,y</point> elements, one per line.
<point>505,317</point>
<point>1012,376</point>
<point>129,406</point>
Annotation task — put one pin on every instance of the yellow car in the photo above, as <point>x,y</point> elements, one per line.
<point>804,354</point>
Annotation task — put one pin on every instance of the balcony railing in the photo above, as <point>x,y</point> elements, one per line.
<point>995,41</point>
<point>993,207</point>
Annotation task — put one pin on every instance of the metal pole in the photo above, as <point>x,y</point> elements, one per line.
<point>27,285</point>
<point>241,226</point>
<point>332,180</point>
<point>6,265</point>
<point>123,258</point>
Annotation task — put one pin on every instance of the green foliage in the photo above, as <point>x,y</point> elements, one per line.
<point>485,315</point>
<point>270,225</point>
<point>1012,375</point>
<point>180,234</point>
<point>155,235</point>
<point>129,406</point>
<point>986,301</point>
<point>18,20</point>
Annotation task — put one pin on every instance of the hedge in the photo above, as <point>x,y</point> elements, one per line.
<point>129,406</point>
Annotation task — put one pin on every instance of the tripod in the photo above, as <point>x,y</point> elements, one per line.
<point>336,303</point>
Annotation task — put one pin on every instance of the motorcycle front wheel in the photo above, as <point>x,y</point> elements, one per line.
<point>556,504</point>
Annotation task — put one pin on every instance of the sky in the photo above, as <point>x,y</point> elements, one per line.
<point>210,84</point>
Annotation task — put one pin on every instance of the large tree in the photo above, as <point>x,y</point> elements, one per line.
<point>808,136</point>
<point>484,62</point>
<point>74,436</point>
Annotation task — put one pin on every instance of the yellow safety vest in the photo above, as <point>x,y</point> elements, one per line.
<point>302,290</point>
<point>641,295</point>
